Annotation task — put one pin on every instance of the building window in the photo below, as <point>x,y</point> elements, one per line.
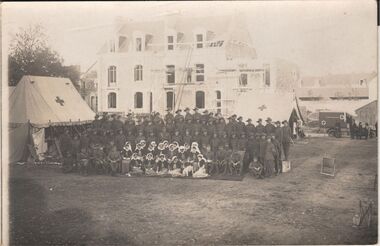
<point>267,74</point>
<point>200,99</point>
<point>112,45</point>
<point>200,72</point>
<point>138,100</point>
<point>112,100</point>
<point>243,79</point>
<point>138,73</point>
<point>218,100</point>
<point>199,38</point>
<point>170,100</point>
<point>170,74</point>
<point>111,75</point>
<point>170,42</point>
<point>138,44</point>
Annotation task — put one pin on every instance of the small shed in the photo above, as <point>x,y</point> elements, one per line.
<point>367,113</point>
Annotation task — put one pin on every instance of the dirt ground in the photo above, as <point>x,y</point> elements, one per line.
<point>299,207</point>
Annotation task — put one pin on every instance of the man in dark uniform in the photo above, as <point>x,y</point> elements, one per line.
<point>196,115</point>
<point>234,123</point>
<point>85,139</point>
<point>210,127</point>
<point>187,138</point>
<point>224,139</point>
<point>177,137</point>
<point>197,126</point>
<point>229,128</point>
<point>170,126</point>
<point>120,140</point>
<point>211,116</point>
<point>205,116</point>
<point>196,136</point>
<point>149,128</point>
<point>269,127</point>
<point>169,115</point>
<point>353,129</point>
<point>278,164</point>
<point>220,126</point>
<point>65,142</point>
<point>188,115</point>
<point>117,124</point>
<point>188,126</point>
<point>260,128</point>
<point>164,135</point>
<point>234,142</point>
<point>180,126</point>
<point>129,127</point>
<point>250,128</point>
<point>286,138</point>
<point>204,138</point>
<point>178,116</point>
<point>278,132</point>
<point>240,126</point>
<point>131,138</point>
<point>140,126</point>
<point>97,123</point>
<point>242,142</point>
<point>214,142</point>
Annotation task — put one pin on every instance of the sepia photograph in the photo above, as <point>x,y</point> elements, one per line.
<point>189,123</point>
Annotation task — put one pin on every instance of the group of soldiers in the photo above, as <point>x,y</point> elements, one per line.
<point>361,130</point>
<point>208,143</point>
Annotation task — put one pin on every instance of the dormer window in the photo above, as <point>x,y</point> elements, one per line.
<point>170,42</point>
<point>199,41</point>
<point>138,44</point>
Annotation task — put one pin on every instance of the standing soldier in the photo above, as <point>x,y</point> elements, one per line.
<point>220,126</point>
<point>140,125</point>
<point>250,128</point>
<point>177,137</point>
<point>197,126</point>
<point>180,126</point>
<point>205,116</point>
<point>277,160</point>
<point>210,126</point>
<point>169,115</point>
<point>196,137</point>
<point>214,142</point>
<point>269,127</point>
<point>224,139</point>
<point>164,135</point>
<point>242,142</point>
<point>260,128</point>
<point>117,124</point>
<point>286,138</point>
<point>240,126</point>
<point>131,138</point>
<point>188,115</point>
<point>85,140</point>
<point>196,115</point>
<point>129,127</point>
<point>120,140</point>
<point>149,128</point>
<point>234,142</point>
<point>278,132</point>
<point>211,116</point>
<point>65,142</point>
<point>263,145</point>
<point>188,126</point>
<point>229,128</point>
<point>178,116</point>
<point>204,138</point>
<point>187,138</point>
<point>96,124</point>
<point>170,126</point>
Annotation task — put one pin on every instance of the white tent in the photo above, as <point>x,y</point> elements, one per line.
<point>255,105</point>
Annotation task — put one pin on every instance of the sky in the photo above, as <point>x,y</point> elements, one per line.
<point>321,37</point>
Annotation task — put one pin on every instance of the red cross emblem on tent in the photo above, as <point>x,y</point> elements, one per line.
<point>262,107</point>
<point>59,100</point>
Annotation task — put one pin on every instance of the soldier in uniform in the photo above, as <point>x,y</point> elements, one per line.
<point>188,115</point>
<point>229,128</point>
<point>224,139</point>
<point>233,122</point>
<point>205,117</point>
<point>197,126</point>
<point>140,136</point>
<point>196,115</point>
<point>149,128</point>
<point>240,126</point>
<point>180,126</point>
<point>169,116</point>
<point>242,142</point>
<point>204,138</point>
<point>188,126</point>
<point>140,125</point>
<point>263,145</point>
<point>117,124</point>
<point>170,126</point>
<point>65,142</point>
<point>131,138</point>
<point>249,151</point>
<point>277,160</point>
<point>129,127</point>
<point>260,128</point>
<point>120,140</point>
<point>164,135</point>
<point>269,127</point>
<point>234,142</point>
<point>178,116</point>
<point>214,142</point>
<point>250,128</point>
<point>96,124</point>
<point>85,140</point>
<point>187,138</point>
<point>196,136</point>
<point>278,132</point>
<point>286,138</point>
<point>220,126</point>
<point>210,127</point>
<point>150,137</point>
<point>177,137</point>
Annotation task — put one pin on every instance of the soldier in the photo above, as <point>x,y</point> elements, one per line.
<point>187,138</point>
<point>178,116</point>
<point>229,128</point>
<point>286,138</point>
<point>220,126</point>
<point>65,142</point>
<point>277,160</point>
<point>83,161</point>
<point>169,116</point>
<point>197,126</point>
<point>270,155</point>
<point>85,140</point>
<point>196,137</point>
<point>234,142</point>
<point>188,115</point>
<point>158,123</point>
<point>131,138</point>
<point>177,137</point>
<point>240,126</point>
<point>242,142</point>
<point>278,132</point>
<point>96,123</point>
<point>149,128</point>
<point>204,138</point>
<point>170,126</point>
<point>129,127</point>
<point>224,140</point>
<point>249,152</point>
<point>120,140</point>
<point>130,118</point>
<point>140,136</point>
<point>260,128</point>
<point>262,144</point>
<point>140,125</point>
<point>196,115</point>
<point>233,122</point>
<point>269,127</point>
<point>107,124</point>
<point>164,135</point>
<point>75,146</point>
<point>150,138</point>
<point>188,126</point>
<point>114,159</point>
<point>205,117</point>
<point>210,127</point>
<point>211,117</point>
<point>214,142</point>
<point>117,124</point>
<point>180,126</point>
<point>250,128</point>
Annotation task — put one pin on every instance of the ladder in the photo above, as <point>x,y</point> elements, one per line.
<point>182,85</point>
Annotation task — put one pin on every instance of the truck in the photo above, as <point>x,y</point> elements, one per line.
<point>335,123</point>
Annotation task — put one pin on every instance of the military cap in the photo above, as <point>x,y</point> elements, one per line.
<point>285,121</point>
<point>187,109</point>
<point>178,111</point>
<point>129,114</point>
<point>259,120</point>
<point>169,109</point>
<point>205,112</point>
<point>195,109</point>
<point>211,113</point>
<point>249,120</point>
<point>96,116</point>
<point>268,119</point>
<point>240,118</point>
<point>278,122</point>
<point>234,115</point>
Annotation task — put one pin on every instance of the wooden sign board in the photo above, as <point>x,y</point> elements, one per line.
<point>328,166</point>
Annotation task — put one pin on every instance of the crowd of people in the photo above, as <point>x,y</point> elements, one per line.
<point>190,144</point>
<point>362,131</point>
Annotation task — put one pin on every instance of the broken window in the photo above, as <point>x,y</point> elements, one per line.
<point>170,74</point>
<point>138,100</point>
<point>200,72</point>
<point>138,73</point>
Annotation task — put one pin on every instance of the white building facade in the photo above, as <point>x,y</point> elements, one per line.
<point>179,62</point>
